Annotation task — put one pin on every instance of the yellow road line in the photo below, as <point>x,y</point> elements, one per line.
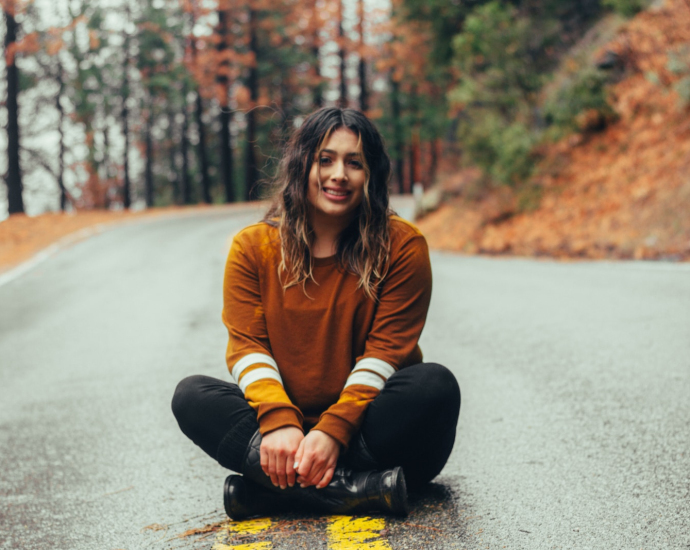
<point>250,527</point>
<point>250,546</point>
<point>348,533</point>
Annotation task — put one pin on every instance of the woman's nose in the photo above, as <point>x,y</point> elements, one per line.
<point>338,171</point>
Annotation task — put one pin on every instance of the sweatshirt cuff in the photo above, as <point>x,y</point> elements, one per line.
<point>279,418</point>
<point>338,428</point>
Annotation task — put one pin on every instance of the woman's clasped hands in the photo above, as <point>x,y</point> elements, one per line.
<point>289,457</point>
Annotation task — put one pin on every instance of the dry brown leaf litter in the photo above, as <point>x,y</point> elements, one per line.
<point>21,236</point>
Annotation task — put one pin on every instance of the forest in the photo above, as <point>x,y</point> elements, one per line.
<point>115,104</point>
<point>184,102</point>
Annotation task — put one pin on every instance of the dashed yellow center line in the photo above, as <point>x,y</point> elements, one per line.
<point>350,533</point>
<point>250,546</point>
<point>250,527</point>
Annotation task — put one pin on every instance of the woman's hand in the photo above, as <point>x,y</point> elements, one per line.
<point>278,450</point>
<point>316,458</point>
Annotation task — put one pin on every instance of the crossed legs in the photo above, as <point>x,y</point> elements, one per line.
<point>411,423</point>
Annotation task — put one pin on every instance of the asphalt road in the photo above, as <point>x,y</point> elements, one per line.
<point>573,432</point>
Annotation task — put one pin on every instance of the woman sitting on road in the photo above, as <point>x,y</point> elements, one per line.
<point>324,301</point>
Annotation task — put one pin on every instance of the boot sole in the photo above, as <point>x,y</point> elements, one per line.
<point>399,503</point>
<point>232,489</point>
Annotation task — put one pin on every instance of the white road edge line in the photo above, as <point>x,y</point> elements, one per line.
<point>87,232</point>
<point>51,250</point>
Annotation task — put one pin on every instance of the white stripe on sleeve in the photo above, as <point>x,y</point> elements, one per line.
<point>252,359</point>
<point>365,378</point>
<point>383,369</point>
<point>264,373</point>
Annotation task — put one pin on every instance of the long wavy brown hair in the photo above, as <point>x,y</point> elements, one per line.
<point>364,247</point>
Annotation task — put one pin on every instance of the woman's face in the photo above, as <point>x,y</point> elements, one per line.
<point>340,169</point>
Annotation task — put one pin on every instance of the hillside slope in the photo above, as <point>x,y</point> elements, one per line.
<point>623,192</point>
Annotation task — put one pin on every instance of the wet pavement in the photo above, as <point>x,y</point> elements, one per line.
<point>573,431</point>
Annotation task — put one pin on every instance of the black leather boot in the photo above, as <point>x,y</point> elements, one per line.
<point>348,492</point>
<point>245,499</point>
<point>359,457</point>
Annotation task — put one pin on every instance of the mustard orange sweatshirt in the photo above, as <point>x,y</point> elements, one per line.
<point>317,361</point>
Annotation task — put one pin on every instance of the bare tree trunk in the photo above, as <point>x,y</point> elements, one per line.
<point>148,173</point>
<point>251,170</point>
<point>414,159</point>
<point>363,92</point>
<point>61,133</point>
<point>226,169</point>
<point>341,53</point>
<point>201,146</point>
<point>285,105</point>
<point>201,150</point>
<point>174,176</point>
<point>184,146</point>
<point>226,154</point>
<point>398,145</point>
<point>414,139</point>
<point>415,156</point>
<point>435,154</point>
<point>126,187</point>
<point>107,161</point>
<point>315,45</point>
<point>14,173</point>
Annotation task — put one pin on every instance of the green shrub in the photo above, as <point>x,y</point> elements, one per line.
<point>514,151</point>
<point>499,55</point>
<point>495,54</point>
<point>504,151</point>
<point>627,8</point>
<point>586,90</point>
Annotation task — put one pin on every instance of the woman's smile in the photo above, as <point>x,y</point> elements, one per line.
<point>335,193</point>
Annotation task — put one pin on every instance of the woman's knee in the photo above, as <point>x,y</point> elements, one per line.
<point>436,385</point>
<point>186,397</point>
<point>443,384</point>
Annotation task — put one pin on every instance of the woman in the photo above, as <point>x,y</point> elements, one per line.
<point>324,302</point>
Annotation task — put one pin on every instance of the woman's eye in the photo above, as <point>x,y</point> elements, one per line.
<point>324,160</point>
<point>356,163</point>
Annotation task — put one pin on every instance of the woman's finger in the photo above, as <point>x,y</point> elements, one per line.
<point>298,454</point>
<point>264,459</point>
<point>290,470</point>
<point>318,469</point>
<point>317,474</point>
<point>327,477</point>
<point>272,468</point>
<point>298,460</point>
<point>305,468</point>
<point>281,459</point>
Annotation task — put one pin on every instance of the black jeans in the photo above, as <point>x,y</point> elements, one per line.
<point>411,423</point>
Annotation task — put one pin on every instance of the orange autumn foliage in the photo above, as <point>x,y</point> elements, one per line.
<point>620,193</point>
<point>407,54</point>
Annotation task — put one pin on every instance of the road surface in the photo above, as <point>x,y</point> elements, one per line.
<point>573,431</point>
